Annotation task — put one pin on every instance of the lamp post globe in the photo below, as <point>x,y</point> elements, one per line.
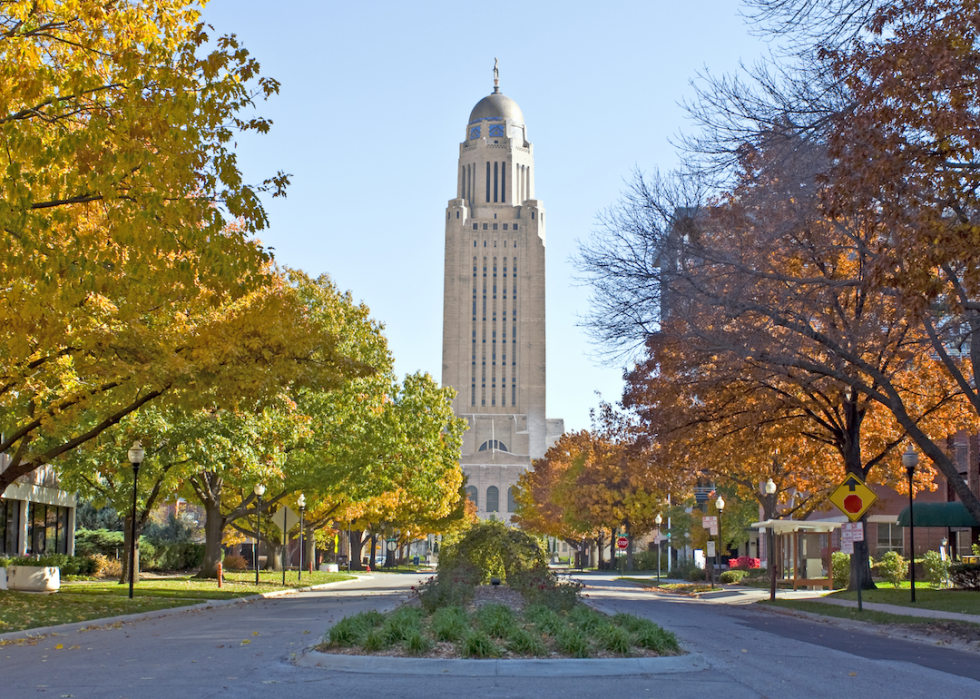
<point>259,491</point>
<point>910,460</point>
<point>135,455</point>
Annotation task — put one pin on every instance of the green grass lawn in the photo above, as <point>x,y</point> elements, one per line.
<point>87,601</point>
<point>849,612</point>
<point>960,601</point>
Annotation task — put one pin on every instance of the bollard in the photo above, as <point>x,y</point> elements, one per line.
<point>220,575</point>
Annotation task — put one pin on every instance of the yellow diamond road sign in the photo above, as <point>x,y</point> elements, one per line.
<point>853,497</point>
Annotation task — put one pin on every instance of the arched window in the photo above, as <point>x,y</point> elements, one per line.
<point>511,499</point>
<point>493,443</point>
<point>493,499</point>
<point>471,494</point>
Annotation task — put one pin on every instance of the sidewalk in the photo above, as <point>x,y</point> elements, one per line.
<point>735,594</point>
<point>905,611</point>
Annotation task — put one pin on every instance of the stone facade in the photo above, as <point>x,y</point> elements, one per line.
<point>494,305</point>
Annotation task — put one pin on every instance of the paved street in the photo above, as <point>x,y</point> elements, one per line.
<point>244,650</point>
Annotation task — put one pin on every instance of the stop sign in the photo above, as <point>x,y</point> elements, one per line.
<point>622,542</point>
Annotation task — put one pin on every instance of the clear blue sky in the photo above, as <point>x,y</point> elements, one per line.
<point>374,101</point>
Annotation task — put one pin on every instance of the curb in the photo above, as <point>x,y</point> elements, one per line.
<point>602,667</point>
<point>95,624</point>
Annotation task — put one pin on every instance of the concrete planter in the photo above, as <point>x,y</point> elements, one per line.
<point>329,568</point>
<point>3,578</point>
<point>34,578</point>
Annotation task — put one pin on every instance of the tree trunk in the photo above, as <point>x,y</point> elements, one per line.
<point>309,549</point>
<point>861,564</point>
<point>599,541</point>
<point>127,537</point>
<point>629,547</point>
<point>213,533</point>
<point>274,560</point>
<point>374,546</point>
<point>356,543</point>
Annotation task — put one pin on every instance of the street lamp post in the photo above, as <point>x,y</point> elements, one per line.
<point>910,460</point>
<point>302,507</point>
<point>658,520</point>
<point>771,544</point>
<point>136,455</point>
<point>259,491</point>
<point>720,504</point>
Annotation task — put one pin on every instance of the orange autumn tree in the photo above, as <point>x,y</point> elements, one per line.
<point>765,302</point>
<point>599,480</point>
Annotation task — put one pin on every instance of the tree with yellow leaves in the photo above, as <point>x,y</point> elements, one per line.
<point>121,281</point>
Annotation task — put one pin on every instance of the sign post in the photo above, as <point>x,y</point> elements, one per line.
<point>285,519</point>
<point>853,498</point>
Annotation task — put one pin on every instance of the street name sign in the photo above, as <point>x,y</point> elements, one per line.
<point>853,497</point>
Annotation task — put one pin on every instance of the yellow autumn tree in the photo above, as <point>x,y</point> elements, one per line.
<point>122,281</point>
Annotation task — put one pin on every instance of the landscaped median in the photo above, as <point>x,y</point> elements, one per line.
<point>90,600</point>
<point>495,601</point>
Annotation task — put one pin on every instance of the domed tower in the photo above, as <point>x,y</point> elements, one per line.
<point>494,305</point>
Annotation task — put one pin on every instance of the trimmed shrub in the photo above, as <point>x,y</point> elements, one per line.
<point>893,568</point>
<point>731,577</point>
<point>106,567</point>
<point>69,565</point>
<point>494,551</point>
<point>647,560</point>
<point>840,567</point>
<point>965,576</point>
<point>696,575</point>
<point>448,589</point>
<point>235,563</point>
<point>935,568</point>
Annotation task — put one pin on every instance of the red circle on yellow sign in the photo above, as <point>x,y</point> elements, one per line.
<point>853,503</point>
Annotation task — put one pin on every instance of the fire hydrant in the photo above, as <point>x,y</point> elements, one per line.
<point>221,578</point>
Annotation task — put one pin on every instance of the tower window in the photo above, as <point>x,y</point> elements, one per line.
<point>495,168</point>
<point>503,184</point>
<point>474,228</point>
<point>496,130</point>
<point>495,228</point>
<point>505,226</point>
<point>457,214</point>
<point>515,228</point>
<point>484,228</point>
<point>488,185</point>
<point>532,213</point>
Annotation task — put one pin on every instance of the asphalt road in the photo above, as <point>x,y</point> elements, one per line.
<point>245,650</point>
